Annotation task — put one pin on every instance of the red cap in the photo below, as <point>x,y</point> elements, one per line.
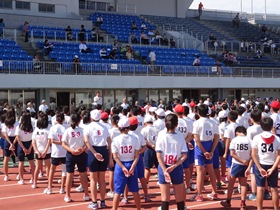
<point>133,120</point>
<point>104,115</point>
<point>192,104</point>
<point>179,108</point>
<point>275,105</point>
<point>143,110</point>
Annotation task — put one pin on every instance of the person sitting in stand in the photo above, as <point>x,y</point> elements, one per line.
<point>164,39</point>
<point>93,34</point>
<point>103,53</point>
<point>259,53</point>
<point>116,44</point>
<point>129,54</point>
<point>196,62</point>
<point>151,34</point>
<point>134,26</point>
<point>100,36</point>
<point>172,42</point>
<point>76,65</point>
<point>36,63</point>
<point>113,54</point>
<point>144,38</point>
<point>99,21</point>
<point>143,26</point>
<point>212,39</point>
<point>133,38</point>
<point>69,33</point>
<point>83,47</point>
<point>47,47</point>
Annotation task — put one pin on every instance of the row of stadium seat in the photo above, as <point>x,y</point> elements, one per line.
<point>9,50</point>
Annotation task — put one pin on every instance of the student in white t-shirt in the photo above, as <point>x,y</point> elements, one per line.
<point>41,144</point>
<point>240,150</point>
<point>266,156</point>
<point>25,149</point>
<point>73,142</point>
<point>275,116</point>
<point>58,153</point>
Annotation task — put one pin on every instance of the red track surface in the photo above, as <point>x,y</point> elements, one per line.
<point>21,197</point>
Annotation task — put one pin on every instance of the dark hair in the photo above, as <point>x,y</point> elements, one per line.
<point>186,110</point>
<point>108,111</point>
<point>135,110</point>
<point>241,110</point>
<point>3,117</point>
<point>75,118</point>
<point>171,121</point>
<point>10,117</point>
<point>133,127</point>
<point>25,122</point>
<point>86,116</point>
<point>42,121</point>
<point>123,129</point>
<point>65,109</point>
<point>260,106</point>
<point>115,119</point>
<point>124,112</point>
<point>224,106</point>
<point>266,123</point>
<point>274,109</point>
<point>241,129</point>
<point>59,117</point>
<point>233,115</point>
<point>203,110</point>
<point>213,113</point>
<point>256,115</point>
<point>115,110</point>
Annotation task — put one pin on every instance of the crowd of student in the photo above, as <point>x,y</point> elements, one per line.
<point>228,141</point>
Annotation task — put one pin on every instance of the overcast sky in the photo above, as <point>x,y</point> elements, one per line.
<point>272,6</point>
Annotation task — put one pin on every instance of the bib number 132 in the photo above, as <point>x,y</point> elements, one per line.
<point>170,159</point>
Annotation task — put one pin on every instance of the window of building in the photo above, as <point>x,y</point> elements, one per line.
<point>23,5</point>
<point>7,4</point>
<point>47,8</point>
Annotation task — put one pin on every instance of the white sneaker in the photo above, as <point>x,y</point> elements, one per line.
<point>188,191</point>
<point>48,191</point>
<point>33,186</point>
<point>171,192</point>
<point>18,178</point>
<point>59,181</point>
<point>31,181</point>
<point>21,182</point>
<point>62,191</point>
<point>40,175</point>
<point>110,194</point>
<point>80,188</point>
<point>67,199</point>
<point>6,178</point>
<point>86,198</point>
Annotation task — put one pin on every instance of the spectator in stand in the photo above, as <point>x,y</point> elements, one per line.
<point>259,53</point>
<point>164,39</point>
<point>151,34</point>
<point>99,21</point>
<point>43,107</point>
<point>82,33</point>
<point>242,45</point>
<point>116,45</point>
<point>133,38</point>
<point>219,67</point>
<point>83,47</point>
<point>100,35</point>
<point>236,21</point>
<point>103,53</point>
<point>212,39</point>
<point>93,34</point>
<point>264,28</point>
<point>113,54</point>
<point>2,27</point>
<point>196,62</point>
<point>134,26</point>
<point>200,7</point>
<point>144,38</point>
<point>152,59</point>
<point>158,38</point>
<point>36,63</point>
<point>76,65</point>
<point>143,26</point>
<point>129,54</point>
<point>25,31</point>
<point>69,33</point>
<point>172,42</point>
<point>47,47</point>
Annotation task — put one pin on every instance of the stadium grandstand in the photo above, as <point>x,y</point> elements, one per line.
<point>231,63</point>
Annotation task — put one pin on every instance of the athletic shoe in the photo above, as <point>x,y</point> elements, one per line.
<point>157,183</point>
<point>59,181</point>
<point>147,199</point>
<point>218,186</point>
<point>267,196</point>
<point>86,198</point>
<point>225,191</point>
<point>251,197</point>
<point>34,186</point>
<point>48,191</point>
<point>212,196</point>
<point>6,178</point>
<point>15,165</point>
<point>225,204</point>
<point>196,197</point>
<point>155,176</point>
<point>80,188</point>
<point>172,192</point>
<point>67,199</point>
<point>102,204</point>
<point>18,177</point>
<point>93,206</point>
<point>31,181</point>
<point>110,194</point>
<point>62,191</point>
<point>188,191</point>
<point>21,182</point>
<point>139,186</point>
<point>239,188</point>
<point>124,201</point>
<point>40,175</point>
<point>222,183</point>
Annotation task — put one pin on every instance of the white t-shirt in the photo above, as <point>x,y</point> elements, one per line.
<point>276,122</point>
<point>242,147</point>
<point>140,122</point>
<point>43,108</point>
<point>230,131</point>
<point>267,153</point>
<point>56,133</point>
<point>184,127</point>
<point>242,121</point>
<point>11,132</point>
<point>74,137</point>
<point>67,121</point>
<point>114,132</point>
<point>205,129</point>
<point>124,106</point>
<point>97,134</point>
<point>253,130</point>
<point>222,128</point>
<point>33,122</point>
<point>97,100</point>
<point>40,136</point>
<point>152,56</point>
<point>107,125</point>
<point>23,135</point>
<point>171,146</point>
<point>159,124</point>
<point>139,137</point>
<point>125,145</point>
<point>150,134</point>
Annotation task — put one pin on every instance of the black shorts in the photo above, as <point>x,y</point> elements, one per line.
<point>22,155</point>
<point>150,158</point>
<point>58,161</point>
<point>72,160</point>
<point>96,165</point>
<point>272,180</point>
<point>7,152</point>
<point>48,156</point>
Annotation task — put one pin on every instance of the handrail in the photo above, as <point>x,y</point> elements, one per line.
<point>113,68</point>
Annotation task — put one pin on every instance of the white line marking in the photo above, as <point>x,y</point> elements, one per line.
<point>66,206</point>
<point>26,195</point>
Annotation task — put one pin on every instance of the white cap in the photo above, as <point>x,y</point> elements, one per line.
<point>152,109</point>
<point>95,115</point>
<point>148,118</point>
<point>243,105</point>
<point>160,112</point>
<point>123,123</point>
<point>222,114</point>
<point>168,112</point>
<point>206,103</point>
<point>257,102</point>
<point>266,107</point>
<point>242,99</point>
<point>76,56</point>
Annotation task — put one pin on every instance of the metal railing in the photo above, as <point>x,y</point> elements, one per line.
<point>28,67</point>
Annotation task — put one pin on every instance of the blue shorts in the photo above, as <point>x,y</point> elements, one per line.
<point>199,157</point>
<point>216,158</point>
<point>58,161</point>
<point>228,160</point>
<point>140,167</point>
<point>238,170</point>
<point>96,165</point>
<point>272,180</point>
<point>177,175</point>
<point>21,154</point>
<point>72,160</point>
<point>120,180</point>
<point>2,143</point>
<point>150,158</point>
<point>191,153</point>
<point>186,163</point>
<point>221,147</point>
<point>7,152</point>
